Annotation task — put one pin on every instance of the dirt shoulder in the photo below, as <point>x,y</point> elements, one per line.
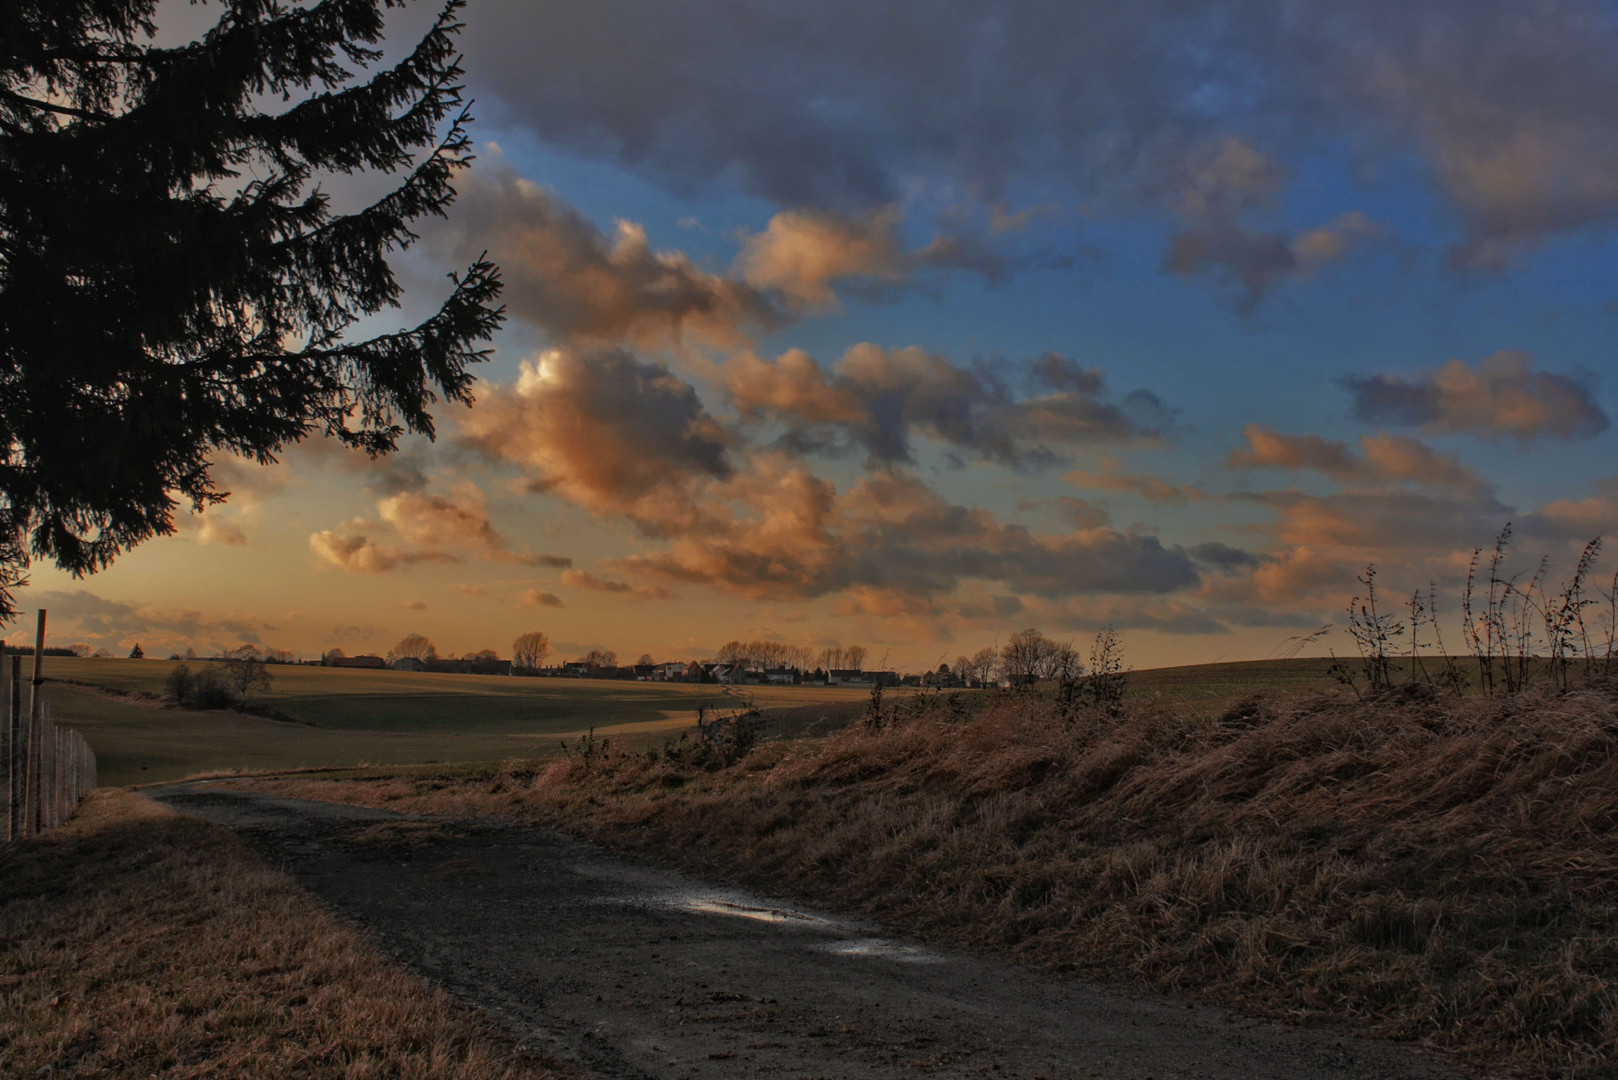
<point>631,969</point>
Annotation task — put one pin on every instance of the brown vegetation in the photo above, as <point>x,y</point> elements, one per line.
<point>1417,866</point>
<point>136,943</point>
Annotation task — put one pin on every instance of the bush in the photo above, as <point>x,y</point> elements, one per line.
<point>213,690</point>
<point>181,685</point>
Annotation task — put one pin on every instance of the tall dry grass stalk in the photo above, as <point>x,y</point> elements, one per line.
<point>1419,867</point>
<point>137,943</point>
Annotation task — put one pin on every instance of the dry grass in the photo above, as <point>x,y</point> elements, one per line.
<point>1421,869</point>
<point>137,943</point>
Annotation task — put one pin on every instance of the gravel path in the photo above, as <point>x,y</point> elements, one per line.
<point>633,970</point>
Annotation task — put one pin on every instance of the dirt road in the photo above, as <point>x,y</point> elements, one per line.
<point>632,970</point>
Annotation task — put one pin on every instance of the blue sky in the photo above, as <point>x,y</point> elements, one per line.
<point>911,325</point>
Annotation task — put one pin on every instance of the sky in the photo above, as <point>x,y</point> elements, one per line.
<point>914,324</point>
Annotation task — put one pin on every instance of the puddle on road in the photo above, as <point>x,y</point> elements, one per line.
<point>709,905</point>
<point>883,949</point>
<point>740,905</point>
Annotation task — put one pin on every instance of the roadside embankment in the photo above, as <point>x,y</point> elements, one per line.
<point>1413,867</point>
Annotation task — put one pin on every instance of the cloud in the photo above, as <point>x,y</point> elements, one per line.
<point>355,548</point>
<point>1255,261</point>
<point>213,529</point>
<point>583,579</point>
<point>1153,489</point>
<point>802,254</point>
<point>85,614</point>
<point>1223,556</point>
<point>603,429</point>
<point>1513,119</point>
<point>1383,459</point>
<point>563,274</point>
<point>470,590</point>
<point>536,598</point>
<point>796,537</point>
<point>414,605</point>
<point>1502,396</point>
<point>881,401</point>
<point>1226,182</point>
<point>455,520</point>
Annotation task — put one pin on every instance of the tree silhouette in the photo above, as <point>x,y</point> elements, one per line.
<point>414,647</point>
<point>174,282</point>
<point>529,649</point>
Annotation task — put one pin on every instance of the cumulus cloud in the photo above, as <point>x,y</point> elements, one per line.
<point>1255,261</point>
<point>563,274</point>
<point>538,598</point>
<point>803,255</point>
<point>881,401</point>
<point>603,429</point>
<point>1225,183</point>
<point>796,536</point>
<point>1502,396</point>
<point>1382,459</point>
<point>455,520</point>
<point>355,547</point>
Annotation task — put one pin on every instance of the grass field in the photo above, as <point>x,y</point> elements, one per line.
<point>347,716</point>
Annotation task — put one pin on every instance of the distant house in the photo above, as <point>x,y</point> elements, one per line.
<point>408,663</point>
<point>576,668</point>
<point>781,676</point>
<point>847,677</point>
<point>356,661</point>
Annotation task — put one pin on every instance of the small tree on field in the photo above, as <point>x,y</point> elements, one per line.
<point>137,653</point>
<point>245,672</point>
<point>528,650</point>
<point>181,685</point>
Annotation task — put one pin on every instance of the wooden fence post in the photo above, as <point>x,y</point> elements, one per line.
<point>19,750</point>
<point>34,809</point>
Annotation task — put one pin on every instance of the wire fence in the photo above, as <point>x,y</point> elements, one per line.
<point>48,768</point>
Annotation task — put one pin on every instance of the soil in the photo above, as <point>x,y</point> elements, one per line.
<point>631,970</point>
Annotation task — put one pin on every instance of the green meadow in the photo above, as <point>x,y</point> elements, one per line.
<point>342,717</point>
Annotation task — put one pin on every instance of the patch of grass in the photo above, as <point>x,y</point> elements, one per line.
<point>1420,868</point>
<point>138,943</point>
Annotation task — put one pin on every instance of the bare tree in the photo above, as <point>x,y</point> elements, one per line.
<point>645,660</point>
<point>245,671</point>
<point>855,655</point>
<point>1062,662</point>
<point>413,646</point>
<point>600,659</point>
<point>982,664</point>
<point>1026,657</point>
<point>529,649</point>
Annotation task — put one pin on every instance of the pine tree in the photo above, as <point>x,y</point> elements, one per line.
<point>174,283</point>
